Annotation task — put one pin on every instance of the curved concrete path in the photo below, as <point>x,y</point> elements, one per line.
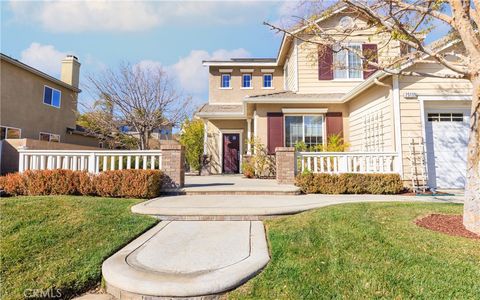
<point>187,259</point>
<point>216,205</point>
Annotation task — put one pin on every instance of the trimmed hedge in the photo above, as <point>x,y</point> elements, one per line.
<point>349,183</point>
<point>117,183</point>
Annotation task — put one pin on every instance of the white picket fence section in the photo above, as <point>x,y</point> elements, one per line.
<point>348,162</point>
<point>92,161</point>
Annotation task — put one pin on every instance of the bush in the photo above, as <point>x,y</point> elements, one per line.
<point>349,183</point>
<point>118,183</point>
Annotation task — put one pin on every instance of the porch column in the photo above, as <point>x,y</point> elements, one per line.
<point>255,134</point>
<point>205,136</point>
<point>249,136</point>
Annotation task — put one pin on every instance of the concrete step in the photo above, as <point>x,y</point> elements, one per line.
<point>286,191</point>
<point>187,259</point>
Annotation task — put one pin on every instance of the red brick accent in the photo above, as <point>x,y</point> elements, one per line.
<point>173,165</point>
<point>285,160</point>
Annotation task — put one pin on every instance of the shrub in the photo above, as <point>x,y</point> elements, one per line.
<point>349,183</point>
<point>118,183</point>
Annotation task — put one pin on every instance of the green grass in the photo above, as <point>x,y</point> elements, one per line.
<point>61,241</point>
<point>364,251</point>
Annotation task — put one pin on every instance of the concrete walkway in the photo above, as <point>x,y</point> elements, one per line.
<point>187,259</point>
<point>263,205</point>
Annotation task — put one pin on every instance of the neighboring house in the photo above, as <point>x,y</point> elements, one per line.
<point>35,105</point>
<point>309,92</point>
<point>164,132</point>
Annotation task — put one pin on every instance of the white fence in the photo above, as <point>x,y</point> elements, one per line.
<point>89,160</point>
<point>348,162</point>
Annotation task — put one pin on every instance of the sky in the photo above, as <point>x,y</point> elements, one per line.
<point>174,35</point>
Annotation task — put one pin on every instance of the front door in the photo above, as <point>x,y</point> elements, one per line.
<point>231,153</point>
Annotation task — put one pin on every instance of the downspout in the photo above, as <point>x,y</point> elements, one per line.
<point>398,129</point>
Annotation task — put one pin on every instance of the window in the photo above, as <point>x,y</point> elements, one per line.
<point>49,137</point>
<point>445,117</point>
<point>10,133</point>
<point>246,80</point>
<point>51,96</point>
<point>267,80</point>
<point>346,64</point>
<point>308,129</point>
<point>225,84</point>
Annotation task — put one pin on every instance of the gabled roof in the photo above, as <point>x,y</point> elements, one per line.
<point>266,62</point>
<point>38,72</point>
<point>292,97</point>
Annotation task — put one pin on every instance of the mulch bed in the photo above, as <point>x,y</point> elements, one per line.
<point>448,224</point>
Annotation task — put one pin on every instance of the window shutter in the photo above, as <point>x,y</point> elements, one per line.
<point>275,131</point>
<point>334,124</point>
<point>370,52</point>
<point>325,63</point>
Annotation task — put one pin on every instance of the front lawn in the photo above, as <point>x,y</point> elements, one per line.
<point>57,243</point>
<point>364,251</point>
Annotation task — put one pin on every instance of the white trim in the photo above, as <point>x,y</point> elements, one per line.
<point>220,144</point>
<point>398,123</point>
<point>10,127</point>
<point>445,98</point>
<point>297,83</point>
<point>268,88</point>
<point>246,70</point>
<point>249,136</point>
<point>225,70</point>
<point>289,100</point>
<point>49,136</point>
<point>239,64</point>
<point>267,71</point>
<point>304,110</point>
<point>53,89</point>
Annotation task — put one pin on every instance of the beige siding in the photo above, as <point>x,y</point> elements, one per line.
<point>411,123</point>
<point>371,120</point>
<point>308,59</point>
<point>236,94</point>
<point>291,66</point>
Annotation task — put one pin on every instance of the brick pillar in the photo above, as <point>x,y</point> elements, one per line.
<point>285,162</point>
<point>173,165</point>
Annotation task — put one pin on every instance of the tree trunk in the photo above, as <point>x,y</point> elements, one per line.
<point>471,212</point>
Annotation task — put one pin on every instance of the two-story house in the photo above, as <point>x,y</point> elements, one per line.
<point>309,92</point>
<point>35,105</point>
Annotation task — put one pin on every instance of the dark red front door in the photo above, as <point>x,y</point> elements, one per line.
<point>231,153</point>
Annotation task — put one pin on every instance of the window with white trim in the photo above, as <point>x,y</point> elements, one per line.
<point>51,96</point>
<point>225,81</point>
<point>304,128</point>
<point>246,80</point>
<point>445,117</point>
<point>10,133</point>
<point>347,64</point>
<point>267,80</point>
<point>49,137</point>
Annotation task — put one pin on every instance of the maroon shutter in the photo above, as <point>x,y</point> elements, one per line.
<point>370,52</point>
<point>275,131</point>
<point>325,63</point>
<point>334,122</point>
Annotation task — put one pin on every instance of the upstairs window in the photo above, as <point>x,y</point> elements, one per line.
<point>49,137</point>
<point>51,96</point>
<point>246,80</point>
<point>10,133</point>
<point>267,80</point>
<point>347,64</point>
<point>225,82</point>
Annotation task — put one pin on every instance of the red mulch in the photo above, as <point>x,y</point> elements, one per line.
<point>448,224</point>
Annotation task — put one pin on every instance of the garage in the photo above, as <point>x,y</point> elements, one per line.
<point>446,132</point>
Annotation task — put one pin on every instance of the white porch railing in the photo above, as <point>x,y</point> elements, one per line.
<point>92,161</point>
<point>348,162</point>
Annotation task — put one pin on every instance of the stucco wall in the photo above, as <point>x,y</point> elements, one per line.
<point>236,94</point>
<point>21,103</point>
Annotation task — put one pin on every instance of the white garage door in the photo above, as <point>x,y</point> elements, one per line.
<point>447,137</point>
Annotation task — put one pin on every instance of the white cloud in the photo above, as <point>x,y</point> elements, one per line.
<point>107,15</point>
<point>192,75</point>
<point>148,64</point>
<point>43,57</point>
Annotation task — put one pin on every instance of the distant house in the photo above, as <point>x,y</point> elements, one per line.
<point>35,105</point>
<point>164,132</point>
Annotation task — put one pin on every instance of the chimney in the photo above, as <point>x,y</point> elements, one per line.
<point>70,70</point>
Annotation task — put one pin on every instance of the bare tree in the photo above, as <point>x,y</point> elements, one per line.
<point>142,98</point>
<point>407,23</point>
